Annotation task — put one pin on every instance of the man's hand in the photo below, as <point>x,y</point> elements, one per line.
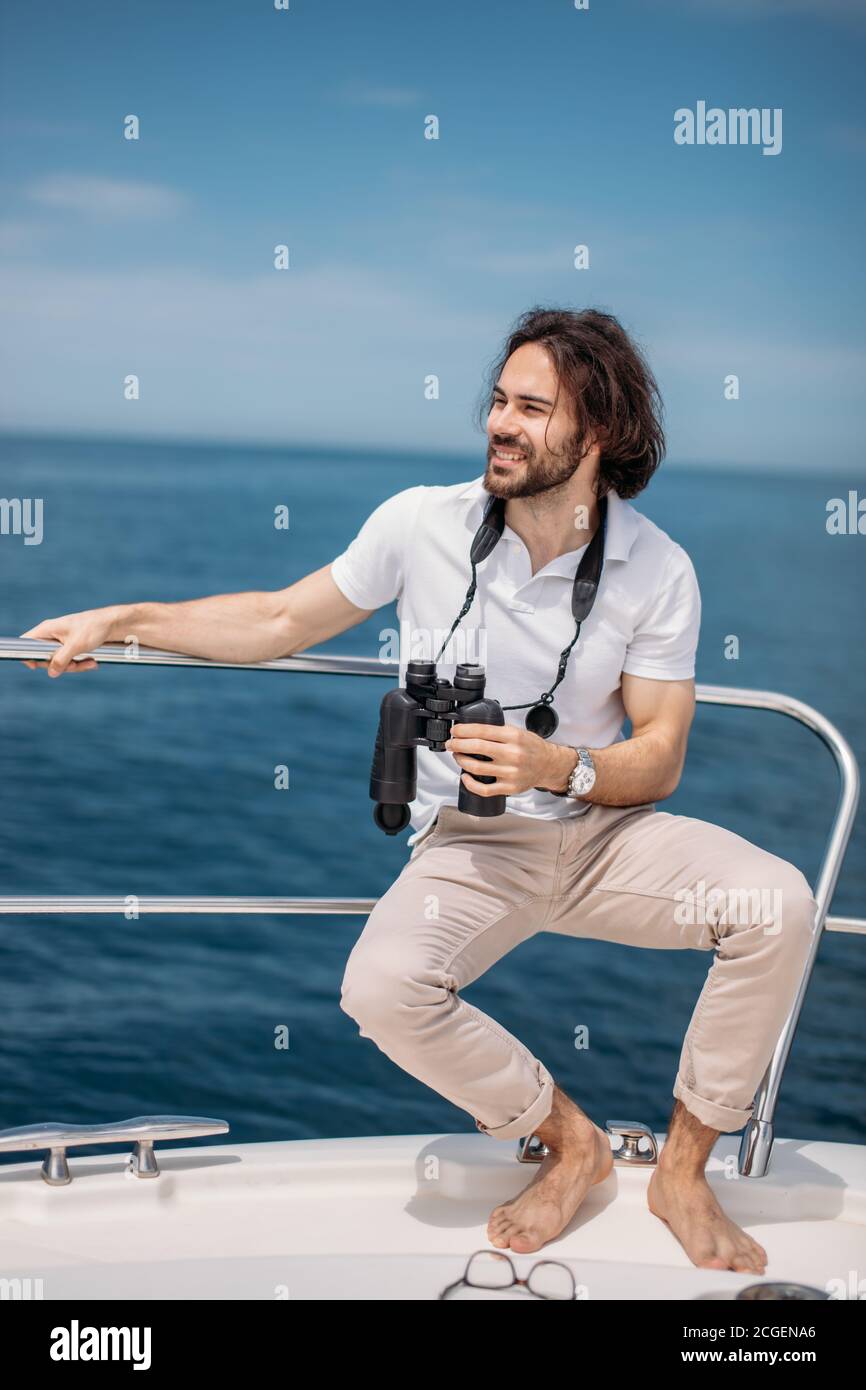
<point>520,760</point>
<point>77,633</point>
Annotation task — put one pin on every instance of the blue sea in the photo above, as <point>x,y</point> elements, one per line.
<point>137,780</point>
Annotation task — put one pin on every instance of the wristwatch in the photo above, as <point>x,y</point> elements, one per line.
<point>581,780</point>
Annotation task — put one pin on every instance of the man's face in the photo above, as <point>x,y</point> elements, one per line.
<point>521,415</point>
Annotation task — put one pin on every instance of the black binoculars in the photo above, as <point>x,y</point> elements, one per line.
<point>420,715</point>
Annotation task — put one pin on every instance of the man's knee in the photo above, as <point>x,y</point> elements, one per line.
<point>360,988</point>
<point>797,907</point>
<point>388,987</point>
<point>774,897</point>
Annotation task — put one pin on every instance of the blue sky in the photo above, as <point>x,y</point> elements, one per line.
<point>412,257</point>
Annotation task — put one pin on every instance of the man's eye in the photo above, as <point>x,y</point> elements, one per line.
<point>534,408</point>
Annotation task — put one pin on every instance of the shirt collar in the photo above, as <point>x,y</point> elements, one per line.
<point>622,527</point>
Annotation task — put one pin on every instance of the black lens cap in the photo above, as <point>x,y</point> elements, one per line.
<point>542,720</point>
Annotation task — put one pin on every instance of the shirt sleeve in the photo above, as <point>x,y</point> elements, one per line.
<point>665,642</point>
<point>371,571</point>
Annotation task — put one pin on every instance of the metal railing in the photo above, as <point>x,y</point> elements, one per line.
<point>757,1140</point>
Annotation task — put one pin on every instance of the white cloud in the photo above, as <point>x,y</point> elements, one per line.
<point>334,353</point>
<point>772,362</point>
<point>99,197</point>
<point>338,354</point>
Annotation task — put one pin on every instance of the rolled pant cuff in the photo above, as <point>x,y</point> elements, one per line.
<point>527,1123</point>
<point>720,1117</point>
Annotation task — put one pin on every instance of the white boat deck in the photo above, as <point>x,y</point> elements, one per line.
<point>396,1218</point>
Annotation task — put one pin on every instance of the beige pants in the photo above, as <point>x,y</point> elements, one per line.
<point>474,888</point>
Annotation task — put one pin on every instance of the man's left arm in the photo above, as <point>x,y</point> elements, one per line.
<point>647,766</point>
<point>644,768</point>
<point>658,694</point>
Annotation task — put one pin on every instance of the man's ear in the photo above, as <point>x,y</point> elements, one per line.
<point>593,445</point>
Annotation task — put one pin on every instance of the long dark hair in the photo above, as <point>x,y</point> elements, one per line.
<point>610,386</point>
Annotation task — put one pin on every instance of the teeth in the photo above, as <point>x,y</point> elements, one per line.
<point>512,458</point>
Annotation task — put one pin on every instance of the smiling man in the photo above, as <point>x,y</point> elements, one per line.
<point>574,432</point>
<point>573,425</point>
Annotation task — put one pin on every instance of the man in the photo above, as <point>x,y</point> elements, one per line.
<point>573,425</point>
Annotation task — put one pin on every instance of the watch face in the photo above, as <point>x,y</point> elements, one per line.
<point>582,780</point>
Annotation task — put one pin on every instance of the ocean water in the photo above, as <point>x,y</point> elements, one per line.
<point>151,781</point>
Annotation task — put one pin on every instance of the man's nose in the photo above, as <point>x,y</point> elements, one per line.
<point>505,427</point>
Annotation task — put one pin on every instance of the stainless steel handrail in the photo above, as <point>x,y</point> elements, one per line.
<point>757,1140</point>
<point>317,663</point>
<point>133,906</point>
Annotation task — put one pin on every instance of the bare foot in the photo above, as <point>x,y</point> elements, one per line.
<point>686,1203</point>
<point>582,1158</point>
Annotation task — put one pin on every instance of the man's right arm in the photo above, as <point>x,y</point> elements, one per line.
<point>225,627</point>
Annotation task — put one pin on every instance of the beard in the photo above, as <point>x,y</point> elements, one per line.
<point>532,477</point>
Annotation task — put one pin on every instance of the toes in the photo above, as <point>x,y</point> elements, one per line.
<point>523,1243</point>
<point>712,1262</point>
<point>496,1235</point>
<point>749,1256</point>
<point>499,1228</point>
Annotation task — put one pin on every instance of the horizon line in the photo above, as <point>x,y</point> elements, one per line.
<point>383,453</point>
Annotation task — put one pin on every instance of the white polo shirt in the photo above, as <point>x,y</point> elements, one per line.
<point>415,548</point>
